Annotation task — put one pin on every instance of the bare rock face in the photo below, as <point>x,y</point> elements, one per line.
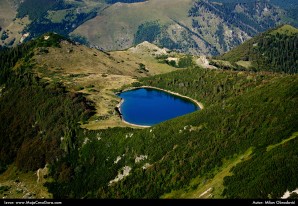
<point>204,62</point>
<point>42,174</point>
<point>148,48</point>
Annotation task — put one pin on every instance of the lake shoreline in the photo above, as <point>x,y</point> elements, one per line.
<point>199,104</point>
<point>121,116</point>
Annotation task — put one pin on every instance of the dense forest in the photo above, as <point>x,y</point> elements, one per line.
<point>38,11</point>
<point>38,8</point>
<point>230,22</point>
<point>35,114</point>
<point>70,22</point>
<point>273,50</point>
<point>249,22</point>
<point>182,149</point>
<point>147,31</point>
<point>276,52</point>
<point>208,86</point>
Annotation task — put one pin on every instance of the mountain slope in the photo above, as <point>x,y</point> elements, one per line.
<point>198,27</point>
<point>191,26</point>
<point>116,26</point>
<point>183,153</point>
<point>7,13</point>
<point>49,81</point>
<point>274,50</point>
<point>95,73</point>
<point>248,126</point>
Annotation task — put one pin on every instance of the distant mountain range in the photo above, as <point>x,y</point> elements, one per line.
<point>192,26</point>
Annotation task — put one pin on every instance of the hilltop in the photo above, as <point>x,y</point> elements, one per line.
<point>197,27</point>
<point>274,50</point>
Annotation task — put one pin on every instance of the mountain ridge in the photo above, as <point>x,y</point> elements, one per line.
<point>267,51</point>
<point>195,27</point>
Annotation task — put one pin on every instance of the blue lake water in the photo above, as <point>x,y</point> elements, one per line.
<point>146,106</point>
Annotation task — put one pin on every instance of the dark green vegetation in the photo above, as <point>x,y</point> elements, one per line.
<point>39,120</point>
<point>151,31</point>
<point>208,86</point>
<point>243,110</point>
<point>271,167</point>
<point>251,17</point>
<point>42,114</point>
<point>274,50</point>
<point>185,61</point>
<point>147,32</point>
<point>203,26</point>
<point>248,20</point>
<point>37,8</point>
<point>190,146</point>
<point>38,11</point>
<point>4,35</point>
<point>290,7</point>
<point>214,27</point>
<point>22,54</point>
<point>67,25</point>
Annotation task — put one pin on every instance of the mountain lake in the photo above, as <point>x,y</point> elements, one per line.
<point>149,106</point>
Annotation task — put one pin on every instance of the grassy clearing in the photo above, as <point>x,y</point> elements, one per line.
<point>152,64</point>
<point>57,16</point>
<point>286,30</point>
<point>222,64</point>
<point>14,30</point>
<point>11,25</point>
<point>270,147</point>
<point>7,13</point>
<point>245,64</point>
